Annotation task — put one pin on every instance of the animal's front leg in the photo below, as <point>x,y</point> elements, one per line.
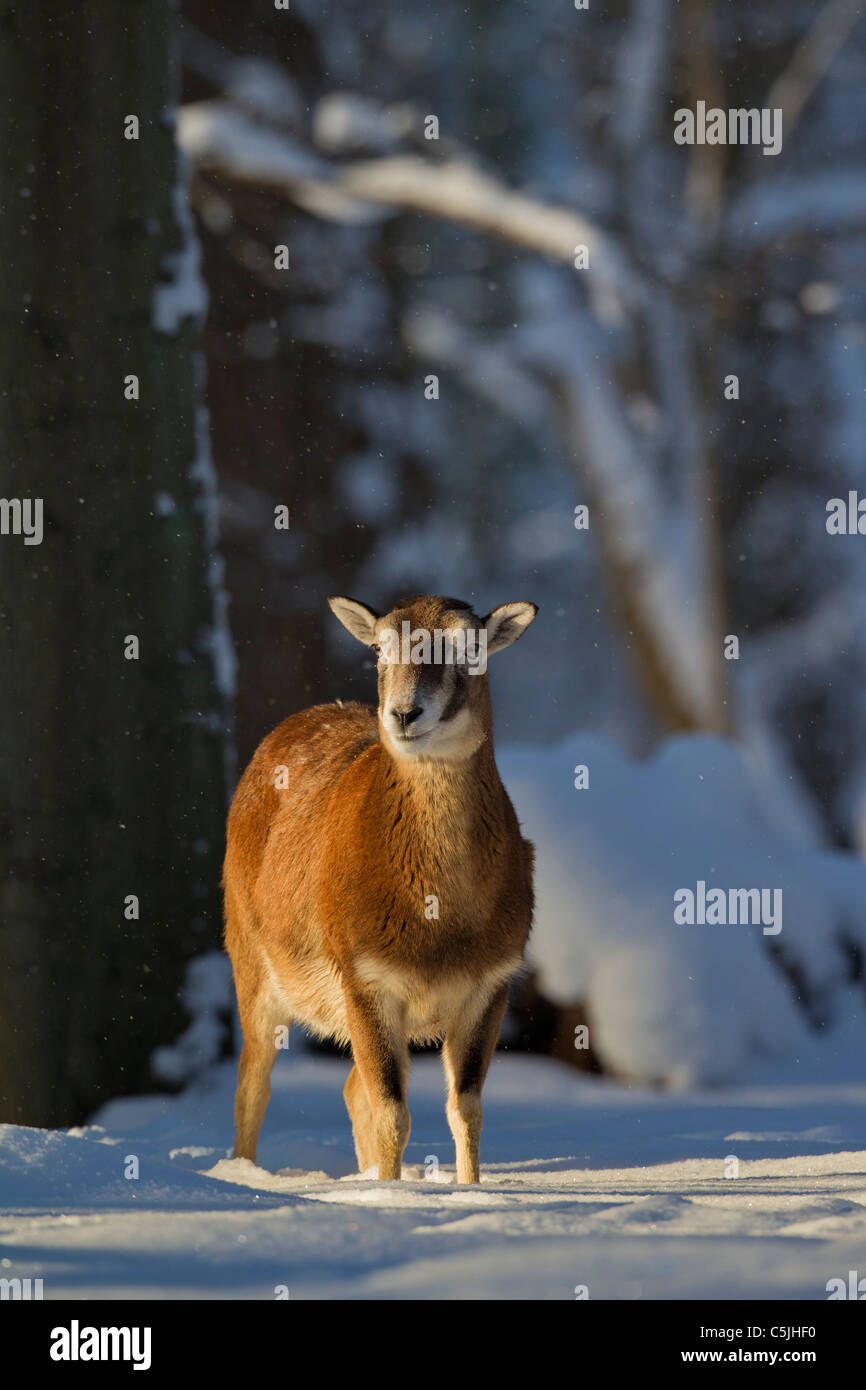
<point>361,1116</point>
<point>469,1044</point>
<point>380,1049</point>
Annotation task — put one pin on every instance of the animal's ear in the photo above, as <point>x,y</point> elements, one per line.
<point>506,623</point>
<point>356,618</point>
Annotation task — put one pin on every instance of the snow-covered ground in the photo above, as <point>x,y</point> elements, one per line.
<point>589,1183</point>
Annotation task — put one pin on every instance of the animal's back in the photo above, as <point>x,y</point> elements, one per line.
<point>292,769</point>
<point>275,844</point>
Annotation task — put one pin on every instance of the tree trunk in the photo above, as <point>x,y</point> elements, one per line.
<point>112,768</point>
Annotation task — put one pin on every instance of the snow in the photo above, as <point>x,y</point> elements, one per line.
<point>207,994</point>
<point>215,639</point>
<point>585,1182</point>
<point>688,1004</point>
<point>182,294</point>
<point>344,122</point>
<point>265,90</point>
<point>214,132</point>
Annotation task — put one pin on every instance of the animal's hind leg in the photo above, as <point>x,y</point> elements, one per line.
<point>258,1021</point>
<point>252,1095</point>
<point>358,1106</point>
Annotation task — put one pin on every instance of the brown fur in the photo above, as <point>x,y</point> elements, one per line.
<point>326,888</point>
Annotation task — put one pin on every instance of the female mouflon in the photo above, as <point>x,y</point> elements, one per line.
<point>377,887</point>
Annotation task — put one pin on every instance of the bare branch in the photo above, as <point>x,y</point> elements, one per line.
<point>705,184</point>
<point>641,69</point>
<point>813,55</point>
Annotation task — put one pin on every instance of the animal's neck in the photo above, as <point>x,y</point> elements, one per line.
<point>438,809</point>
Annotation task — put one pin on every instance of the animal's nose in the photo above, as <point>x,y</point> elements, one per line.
<point>407,716</point>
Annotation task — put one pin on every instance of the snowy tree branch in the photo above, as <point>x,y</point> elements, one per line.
<point>217,136</point>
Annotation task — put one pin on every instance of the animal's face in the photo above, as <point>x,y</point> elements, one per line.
<point>432,664</point>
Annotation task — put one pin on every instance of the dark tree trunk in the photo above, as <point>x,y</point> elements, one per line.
<point>111,776</point>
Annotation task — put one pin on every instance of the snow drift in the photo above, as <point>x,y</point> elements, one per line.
<point>688,1004</point>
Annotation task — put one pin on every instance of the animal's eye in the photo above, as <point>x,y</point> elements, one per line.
<point>376,649</point>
